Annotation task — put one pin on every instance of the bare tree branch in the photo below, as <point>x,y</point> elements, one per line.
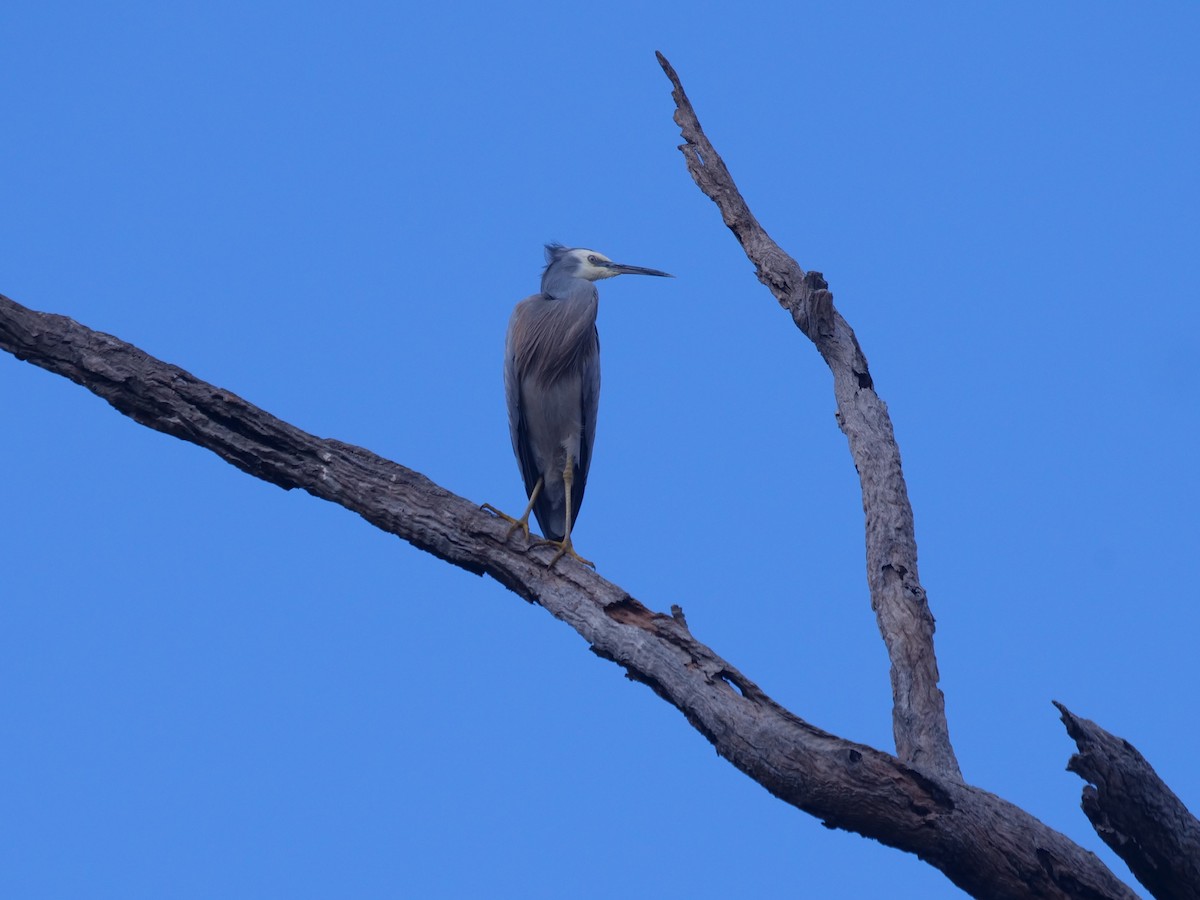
<point>984,844</point>
<point>901,609</point>
<point>1134,812</point>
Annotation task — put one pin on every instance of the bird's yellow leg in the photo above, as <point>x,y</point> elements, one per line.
<point>566,547</point>
<point>523,522</point>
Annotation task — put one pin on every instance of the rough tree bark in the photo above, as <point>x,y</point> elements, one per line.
<point>915,801</point>
<point>1134,812</point>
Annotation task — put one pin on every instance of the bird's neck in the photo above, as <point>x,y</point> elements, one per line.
<point>561,286</point>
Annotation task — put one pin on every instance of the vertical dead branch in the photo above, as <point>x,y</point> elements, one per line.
<point>901,609</point>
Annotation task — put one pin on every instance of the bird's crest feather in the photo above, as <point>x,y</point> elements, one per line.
<point>554,252</point>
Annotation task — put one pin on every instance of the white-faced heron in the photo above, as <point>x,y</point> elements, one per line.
<point>552,384</point>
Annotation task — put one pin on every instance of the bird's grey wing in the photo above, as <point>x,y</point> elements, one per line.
<point>517,429</point>
<point>590,388</point>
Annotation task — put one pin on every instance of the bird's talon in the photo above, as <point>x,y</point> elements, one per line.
<point>566,548</point>
<point>514,524</point>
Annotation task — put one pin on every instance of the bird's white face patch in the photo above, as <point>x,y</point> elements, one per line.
<point>591,264</point>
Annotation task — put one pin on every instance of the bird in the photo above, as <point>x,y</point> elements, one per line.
<point>552,387</point>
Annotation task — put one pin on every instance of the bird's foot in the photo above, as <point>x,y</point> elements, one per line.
<point>566,548</point>
<point>513,524</point>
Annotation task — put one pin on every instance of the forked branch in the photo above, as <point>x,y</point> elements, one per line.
<point>917,802</point>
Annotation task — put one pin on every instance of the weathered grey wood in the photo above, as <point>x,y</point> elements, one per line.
<point>1134,812</point>
<point>901,609</point>
<point>984,844</point>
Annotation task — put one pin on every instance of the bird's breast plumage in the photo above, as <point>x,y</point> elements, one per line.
<point>555,337</point>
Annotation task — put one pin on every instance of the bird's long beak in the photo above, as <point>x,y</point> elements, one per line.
<point>622,269</point>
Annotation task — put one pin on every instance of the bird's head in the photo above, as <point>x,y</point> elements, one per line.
<point>591,265</point>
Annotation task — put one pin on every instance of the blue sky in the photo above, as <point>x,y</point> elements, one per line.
<point>211,687</point>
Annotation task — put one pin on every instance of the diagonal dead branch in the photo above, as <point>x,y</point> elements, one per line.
<point>987,846</point>
<point>901,609</point>
<point>1134,812</point>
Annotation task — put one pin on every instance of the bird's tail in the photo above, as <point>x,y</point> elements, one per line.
<point>551,507</point>
<point>552,517</point>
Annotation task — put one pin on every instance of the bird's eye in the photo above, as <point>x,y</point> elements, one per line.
<point>592,259</point>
